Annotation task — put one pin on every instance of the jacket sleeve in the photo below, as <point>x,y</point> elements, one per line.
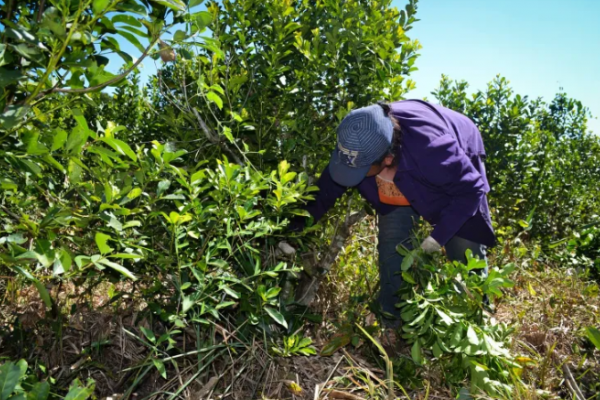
<point>446,166</point>
<point>329,192</point>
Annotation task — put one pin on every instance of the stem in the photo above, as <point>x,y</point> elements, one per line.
<point>41,10</point>
<point>54,60</point>
<point>110,81</point>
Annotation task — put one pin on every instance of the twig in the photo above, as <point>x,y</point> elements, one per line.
<point>572,383</point>
<point>108,82</point>
<point>214,139</point>
<point>10,213</point>
<point>330,375</point>
<point>336,394</point>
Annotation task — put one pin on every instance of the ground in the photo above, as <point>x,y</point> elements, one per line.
<point>549,306</point>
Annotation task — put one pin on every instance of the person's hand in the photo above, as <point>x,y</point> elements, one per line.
<point>430,245</point>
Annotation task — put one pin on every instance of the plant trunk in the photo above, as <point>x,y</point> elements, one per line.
<point>315,271</point>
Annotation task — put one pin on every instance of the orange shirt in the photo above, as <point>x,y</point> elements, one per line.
<point>389,192</point>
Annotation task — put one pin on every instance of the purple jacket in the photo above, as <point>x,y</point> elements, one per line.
<point>440,171</point>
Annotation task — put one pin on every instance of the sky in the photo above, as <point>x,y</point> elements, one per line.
<point>538,45</point>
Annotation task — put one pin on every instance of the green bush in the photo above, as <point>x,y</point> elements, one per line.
<point>441,305</point>
<point>542,163</point>
<point>17,382</point>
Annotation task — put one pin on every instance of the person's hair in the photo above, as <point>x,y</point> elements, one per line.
<point>396,144</point>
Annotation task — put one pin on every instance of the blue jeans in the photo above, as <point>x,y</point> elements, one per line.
<point>396,228</point>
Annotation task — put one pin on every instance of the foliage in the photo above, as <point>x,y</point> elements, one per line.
<point>295,345</point>
<point>178,188</point>
<point>581,250</point>
<point>62,47</point>
<point>277,76</point>
<point>117,187</point>
<point>17,382</point>
<point>541,162</point>
<point>441,305</point>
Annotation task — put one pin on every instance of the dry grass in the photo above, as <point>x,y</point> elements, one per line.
<point>550,309</point>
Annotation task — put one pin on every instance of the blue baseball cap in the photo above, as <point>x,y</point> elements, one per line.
<point>363,136</point>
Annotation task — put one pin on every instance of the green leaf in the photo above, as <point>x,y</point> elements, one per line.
<point>179,36</point>
<point>231,292</point>
<point>10,375</point>
<point>120,147</point>
<point>102,243</point>
<point>74,171</point>
<point>437,351</point>
<point>126,19</point>
<point>225,304</point>
<point>76,140</point>
<point>118,268</point>
<point>160,366</point>
<point>149,334</point>
<point>131,38</point>
<point>8,77</point>
<point>12,116</point>
<point>59,139</point>
<point>132,7</point>
<point>43,293</point>
<point>52,20</point>
<point>227,133</point>
<point>472,337</point>
<point>277,317</point>
<point>100,5</point>
<point>175,5</point>
<point>127,255</point>
<point>194,3</point>
<point>201,20</point>
<point>445,317</point>
<point>415,353</point>
<point>594,335</point>
<point>33,54</point>
<point>134,193</point>
<point>338,341</point>
<point>186,304</point>
<point>162,187</point>
<point>456,335</point>
<point>79,392</point>
<point>407,262</point>
<point>213,97</point>
<point>407,276</point>
<point>62,263</point>
<point>39,391</point>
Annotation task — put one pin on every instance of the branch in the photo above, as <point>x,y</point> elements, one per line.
<point>10,213</point>
<point>308,290</point>
<point>41,10</point>
<point>108,82</point>
<point>572,383</point>
<point>214,139</point>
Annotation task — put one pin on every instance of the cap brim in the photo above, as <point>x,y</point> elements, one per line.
<point>345,175</point>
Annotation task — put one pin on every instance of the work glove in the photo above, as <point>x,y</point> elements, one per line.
<point>430,245</point>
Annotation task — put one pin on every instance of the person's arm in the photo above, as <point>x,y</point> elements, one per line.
<point>325,198</point>
<point>445,165</point>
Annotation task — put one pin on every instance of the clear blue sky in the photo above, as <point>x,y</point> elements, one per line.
<point>539,45</point>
